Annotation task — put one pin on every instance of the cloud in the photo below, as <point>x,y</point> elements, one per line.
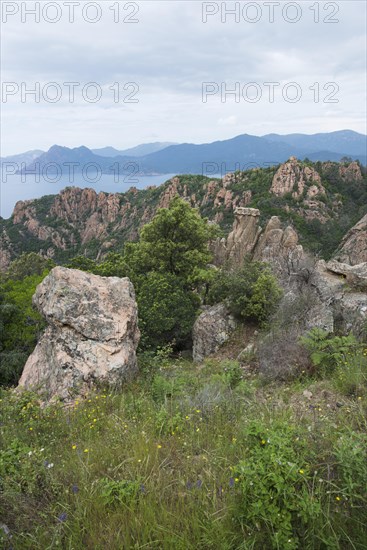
<point>168,54</point>
<point>229,121</point>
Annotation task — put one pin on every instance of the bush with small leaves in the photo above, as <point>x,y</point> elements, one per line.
<point>252,291</point>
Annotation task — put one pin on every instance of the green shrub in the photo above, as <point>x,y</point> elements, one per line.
<point>275,506</point>
<point>167,311</point>
<point>350,376</point>
<point>232,373</point>
<point>114,493</point>
<point>351,464</point>
<point>252,291</point>
<point>327,351</point>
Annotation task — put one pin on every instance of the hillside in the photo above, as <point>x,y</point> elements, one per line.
<point>321,200</point>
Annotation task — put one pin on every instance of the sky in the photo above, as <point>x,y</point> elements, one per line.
<point>152,70</point>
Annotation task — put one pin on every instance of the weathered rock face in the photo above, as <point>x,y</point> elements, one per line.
<point>344,307</point>
<point>274,245</point>
<point>353,248</point>
<point>351,172</point>
<point>92,333</point>
<point>292,177</point>
<point>243,238</point>
<point>211,330</point>
<point>355,276</point>
<point>278,246</point>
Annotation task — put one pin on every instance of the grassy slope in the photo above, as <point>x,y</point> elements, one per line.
<point>179,437</point>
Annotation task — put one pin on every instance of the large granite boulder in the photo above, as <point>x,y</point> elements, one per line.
<point>211,330</point>
<point>92,333</point>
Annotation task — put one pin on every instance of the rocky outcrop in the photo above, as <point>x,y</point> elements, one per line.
<point>275,245</point>
<point>244,235</point>
<point>295,178</point>
<point>355,276</point>
<point>81,221</point>
<point>211,330</point>
<point>344,308</point>
<point>92,333</point>
<point>353,248</point>
<point>6,251</point>
<point>278,246</point>
<point>351,172</point>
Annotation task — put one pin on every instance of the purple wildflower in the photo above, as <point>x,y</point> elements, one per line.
<point>75,489</point>
<point>199,483</point>
<point>142,489</point>
<point>231,482</point>
<point>189,485</point>
<point>62,517</point>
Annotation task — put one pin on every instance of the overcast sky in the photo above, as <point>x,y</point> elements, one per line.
<point>168,53</point>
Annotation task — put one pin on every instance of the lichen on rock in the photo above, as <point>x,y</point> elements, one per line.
<point>92,334</point>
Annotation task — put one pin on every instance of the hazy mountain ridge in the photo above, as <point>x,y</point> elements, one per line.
<point>139,150</point>
<point>241,152</point>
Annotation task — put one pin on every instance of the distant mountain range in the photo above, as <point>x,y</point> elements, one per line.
<point>26,157</point>
<point>138,151</point>
<point>239,153</point>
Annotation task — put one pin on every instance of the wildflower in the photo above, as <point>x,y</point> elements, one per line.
<point>94,420</point>
<point>301,471</point>
<point>142,489</point>
<point>86,450</point>
<point>199,483</point>
<point>75,489</point>
<point>189,485</point>
<point>73,447</point>
<point>198,410</point>
<point>236,479</point>
<point>337,498</point>
<point>234,439</point>
<point>263,442</point>
<point>30,429</point>
<point>159,446</point>
<point>198,429</point>
<point>231,482</point>
<point>62,517</point>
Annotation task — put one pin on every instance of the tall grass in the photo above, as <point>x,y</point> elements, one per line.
<point>185,458</point>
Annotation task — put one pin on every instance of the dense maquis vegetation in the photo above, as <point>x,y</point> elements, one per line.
<point>188,457</point>
<point>20,324</point>
<point>345,203</point>
<point>169,267</point>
